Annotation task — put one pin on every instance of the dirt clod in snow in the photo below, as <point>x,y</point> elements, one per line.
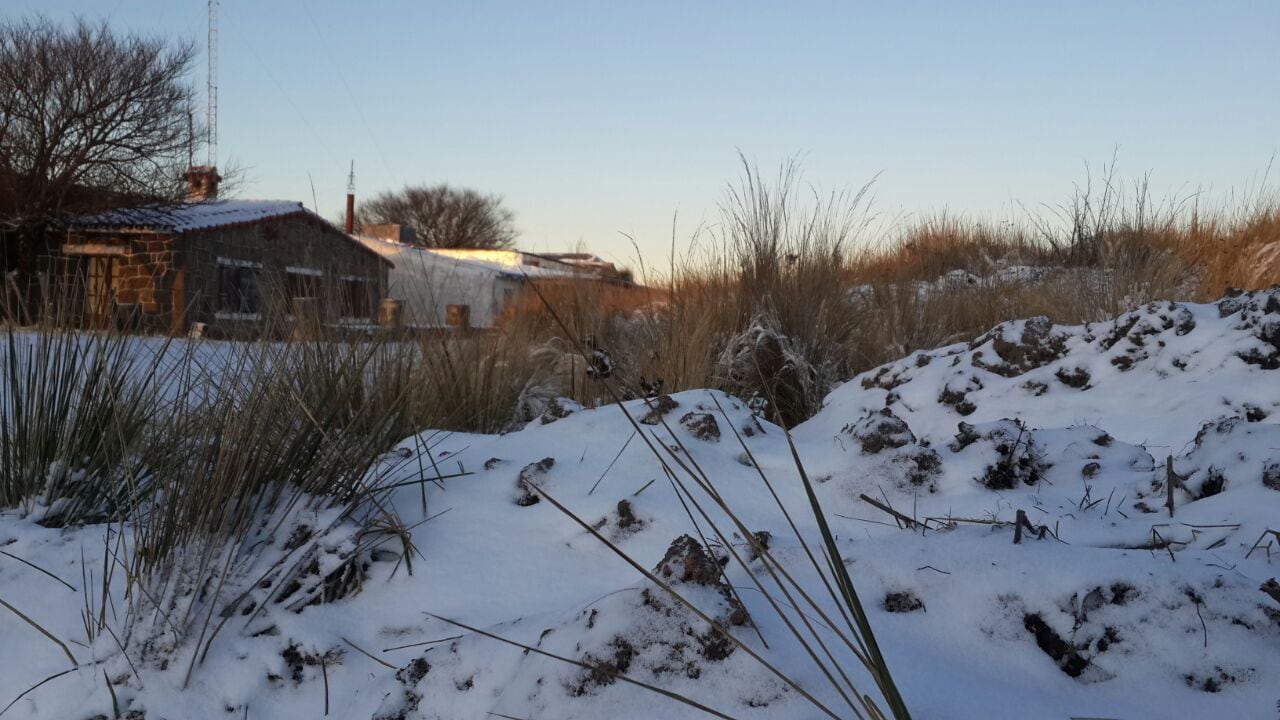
<point>957,399</point>
<point>752,427</point>
<point>886,378</point>
<point>1253,413</point>
<point>658,635</point>
<point>297,660</point>
<point>910,462</point>
<point>1271,475</point>
<point>605,670</point>
<point>557,409</point>
<point>1232,453</point>
<point>1260,315</point>
<point>1077,378</point>
<point>1122,593</point>
<point>702,425</point>
<point>1214,483</point>
<point>531,476</point>
<point>1012,453</point>
<point>879,430</point>
<point>627,522</point>
<point>762,540</point>
<point>658,407</point>
<point>902,602</point>
<point>402,706</point>
<point>687,562</point>
<point>1063,653</point>
<point>1211,682</point>
<point>1035,387</point>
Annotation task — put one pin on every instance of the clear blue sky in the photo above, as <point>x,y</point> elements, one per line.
<point>595,118</point>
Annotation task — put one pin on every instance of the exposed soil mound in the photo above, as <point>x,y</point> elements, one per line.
<point>1020,346</point>
<point>1013,457</point>
<point>880,430</point>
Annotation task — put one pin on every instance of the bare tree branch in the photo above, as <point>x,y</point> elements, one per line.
<point>88,118</point>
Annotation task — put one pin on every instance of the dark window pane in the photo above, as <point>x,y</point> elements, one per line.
<point>237,289</point>
<point>358,298</point>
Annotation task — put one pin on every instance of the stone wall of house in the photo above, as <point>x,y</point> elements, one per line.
<point>142,261</point>
<point>274,246</point>
<point>171,281</point>
<point>144,278</point>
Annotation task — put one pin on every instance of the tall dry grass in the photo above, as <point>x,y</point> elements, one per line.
<point>809,290</point>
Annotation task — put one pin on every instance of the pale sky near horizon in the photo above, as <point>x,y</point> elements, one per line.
<point>595,119</point>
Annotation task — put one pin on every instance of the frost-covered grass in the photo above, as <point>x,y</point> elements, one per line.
<point>186,459</point>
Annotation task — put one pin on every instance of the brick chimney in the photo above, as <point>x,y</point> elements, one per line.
<point>202,183</point>
<point>390,231</point>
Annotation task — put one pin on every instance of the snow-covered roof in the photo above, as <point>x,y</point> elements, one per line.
<point>187,216</point>
<point>586,262</point>
<point>504,263</point>
<point>517,263</point>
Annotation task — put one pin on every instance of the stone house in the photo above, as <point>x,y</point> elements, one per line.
<point>235,267</point>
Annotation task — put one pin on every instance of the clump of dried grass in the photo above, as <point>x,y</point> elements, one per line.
<point>201,460</point>
<point>488,382</point>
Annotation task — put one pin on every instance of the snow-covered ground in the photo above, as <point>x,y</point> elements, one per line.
<point>1120,610</point>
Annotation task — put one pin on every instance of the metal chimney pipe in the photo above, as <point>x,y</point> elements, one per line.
<point>351,199</point>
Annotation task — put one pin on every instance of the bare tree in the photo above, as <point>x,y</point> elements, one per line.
<point>88,118</point>
<point>443,216</point>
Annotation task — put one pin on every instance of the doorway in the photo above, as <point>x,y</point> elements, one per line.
<point>101,276</point>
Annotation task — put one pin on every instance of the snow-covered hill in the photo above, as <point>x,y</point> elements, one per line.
<point>1110,606</point>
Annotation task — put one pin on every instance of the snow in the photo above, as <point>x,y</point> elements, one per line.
<point>187,216</point>
<point>1071,425</point>
<point>1000,274</point>
<point>515,263</point>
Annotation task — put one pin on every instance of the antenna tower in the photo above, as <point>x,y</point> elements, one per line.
<point>213,83</point>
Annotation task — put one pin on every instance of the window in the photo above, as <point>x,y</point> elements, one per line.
<point>357,297</point>
<point>237,288</point>
<point>458,316</point>
<point>302,282</point>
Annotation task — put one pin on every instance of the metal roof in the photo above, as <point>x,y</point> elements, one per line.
<point>187,216</point>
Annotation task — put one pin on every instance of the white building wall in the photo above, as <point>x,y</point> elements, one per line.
<point>427,283</point>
